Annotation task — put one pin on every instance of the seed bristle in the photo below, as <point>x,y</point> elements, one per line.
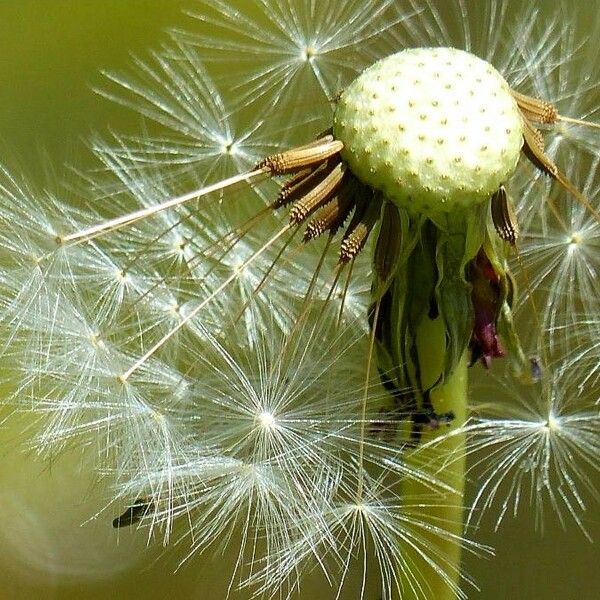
<point>301,157</point>
<point>536,109</point>
<point>534,150</point>
<point>332,215</point>
<point>366,215</point>
<point>503,217</point>
<point>318,195</point>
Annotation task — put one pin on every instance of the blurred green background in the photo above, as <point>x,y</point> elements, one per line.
<point>51,52</point>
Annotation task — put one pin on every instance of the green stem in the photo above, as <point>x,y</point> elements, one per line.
<point>445,461</point>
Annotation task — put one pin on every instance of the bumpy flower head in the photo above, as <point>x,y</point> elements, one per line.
<point>435,129</point>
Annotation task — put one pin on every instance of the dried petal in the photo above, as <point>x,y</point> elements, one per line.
<point>486,297</point>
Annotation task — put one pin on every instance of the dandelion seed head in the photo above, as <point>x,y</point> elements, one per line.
<point>174,342</point>
<point>483,129</point>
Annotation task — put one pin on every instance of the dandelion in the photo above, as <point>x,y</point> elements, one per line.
<point>301,379</point>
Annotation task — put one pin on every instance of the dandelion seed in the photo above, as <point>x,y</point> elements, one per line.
<point>288,49</point>
<point>560,250</point>
<point>384,528</point>
<point>566,78</point>
<point>581,363</point>
<point>192,132</point>
<point>538,447</point>
<point>269,438</point>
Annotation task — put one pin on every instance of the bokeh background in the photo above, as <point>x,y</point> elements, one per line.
<point>51,55</point>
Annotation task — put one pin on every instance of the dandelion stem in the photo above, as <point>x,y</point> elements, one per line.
<point>445,457</point>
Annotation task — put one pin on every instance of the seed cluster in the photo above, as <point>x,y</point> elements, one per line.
<point>435,129</point>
